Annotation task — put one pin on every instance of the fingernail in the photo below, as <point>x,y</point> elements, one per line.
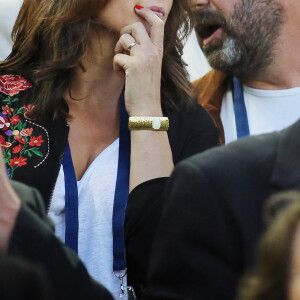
<point>139,7</point>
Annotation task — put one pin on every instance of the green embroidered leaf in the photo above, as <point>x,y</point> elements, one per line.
<point>20,111</point>
<point>8,154</point>
<point>24,125</point>
<point>29,153</point>
<point>15,100</point>
<point>7,101</point>
<point>37,152</point>
<point>20,126</point>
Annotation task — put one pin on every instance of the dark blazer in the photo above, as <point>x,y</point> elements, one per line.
<point>33,241</point>
<point>213,215</point>
<point>22,281</point>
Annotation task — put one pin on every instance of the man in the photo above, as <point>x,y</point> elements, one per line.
<point>26,234</point>
<point>253,41</point>
<point>213,215</point>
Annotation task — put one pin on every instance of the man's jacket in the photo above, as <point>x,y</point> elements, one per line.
<point>210,91</point>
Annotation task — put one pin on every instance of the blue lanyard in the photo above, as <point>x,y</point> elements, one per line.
<point>120,198</point>
<point>240,112</point>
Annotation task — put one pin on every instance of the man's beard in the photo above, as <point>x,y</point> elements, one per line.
<point>248,38</point>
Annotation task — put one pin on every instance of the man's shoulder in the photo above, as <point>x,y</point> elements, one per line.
<point>211,81</point>
<point>253,156</point>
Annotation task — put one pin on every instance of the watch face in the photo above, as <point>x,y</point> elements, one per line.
<point>156,123</point>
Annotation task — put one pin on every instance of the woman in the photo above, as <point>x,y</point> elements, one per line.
<point>77,65</point>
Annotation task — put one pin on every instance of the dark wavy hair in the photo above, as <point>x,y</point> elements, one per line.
<point>51,38</point>
<point>269,278</point>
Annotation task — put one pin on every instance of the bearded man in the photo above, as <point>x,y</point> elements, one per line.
<point>251,45</point>
<point>213,213</point>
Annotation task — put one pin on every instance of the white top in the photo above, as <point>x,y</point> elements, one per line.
<point>96,198</point>
<point>267,110</point>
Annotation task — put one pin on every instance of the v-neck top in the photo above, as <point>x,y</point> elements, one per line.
<point>96,191</point>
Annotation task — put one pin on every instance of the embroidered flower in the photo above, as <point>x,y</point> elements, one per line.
<point>7,110</point>
<point>27,110</point>
<point>18,162</point>
<point>26,131</point>
<point>13,84</point>
<point>4,124</point>
<point>18,137</point>
<point>36,141</point>
<point>14,120</point>
<point>17,149</point>
<point>3,142</point>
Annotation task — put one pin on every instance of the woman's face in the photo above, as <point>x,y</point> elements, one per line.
<point>120,13</point>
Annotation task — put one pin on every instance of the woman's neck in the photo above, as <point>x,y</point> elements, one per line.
<point>97,83</point>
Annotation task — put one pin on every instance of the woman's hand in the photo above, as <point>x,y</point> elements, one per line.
<point>9,207</point>
<point>142,65</point>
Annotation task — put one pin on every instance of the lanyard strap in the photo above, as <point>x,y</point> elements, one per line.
<point>71,201</point>
<point>240,112</point>
<point>120,197</point>
<point>121,192</point>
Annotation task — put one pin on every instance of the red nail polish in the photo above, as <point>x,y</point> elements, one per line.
<point>139,7</point>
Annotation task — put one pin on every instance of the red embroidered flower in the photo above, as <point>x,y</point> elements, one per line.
<point>26,131</point>
<point>20,139</point>
<point>28,109</point>
<point>7,110</point>
<point>15,120</point>
<point>3,142</point>
<point>4,124</point>
<point>13,84</point>
<point>17,149</point>
<point>36,141</point>
<point>18,161</point>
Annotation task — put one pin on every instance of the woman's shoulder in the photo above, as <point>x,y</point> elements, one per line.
<point>13,89</point>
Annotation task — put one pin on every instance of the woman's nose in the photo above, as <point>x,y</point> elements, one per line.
<point>198,4</point>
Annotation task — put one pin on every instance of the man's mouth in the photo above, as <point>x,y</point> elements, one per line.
<point>209,32</point>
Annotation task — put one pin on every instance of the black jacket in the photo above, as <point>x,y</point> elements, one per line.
<point>212,218</point>
<point>34,242</point>
<point>191,131</point>
<point>22,281</point>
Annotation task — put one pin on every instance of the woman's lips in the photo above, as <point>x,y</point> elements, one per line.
<point>216,35</point>
<point>159,11</point>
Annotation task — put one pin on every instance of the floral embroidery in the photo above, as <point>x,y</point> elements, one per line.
<point>15,120</point>
<point>11,85</point>
<point>18,162</point>
<point>17,149</point>
<point>7,110</point>
<point>16,139</point>
<point>36,141</point>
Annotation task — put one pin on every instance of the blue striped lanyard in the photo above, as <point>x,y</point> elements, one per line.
<point>240,112</point>
<point>120,197</point>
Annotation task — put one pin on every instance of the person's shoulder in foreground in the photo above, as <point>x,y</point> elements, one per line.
<point>212,217</point>
<point>22,281</point>
<point>33,233</point>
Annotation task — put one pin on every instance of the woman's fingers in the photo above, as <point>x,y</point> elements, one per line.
<point>156,23</point>
<point>137,31</point>
<point>126,43</point>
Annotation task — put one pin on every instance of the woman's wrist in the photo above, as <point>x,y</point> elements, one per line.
<point>146,112</point>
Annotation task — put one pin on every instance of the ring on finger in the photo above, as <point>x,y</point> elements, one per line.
<point>131,46</point>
